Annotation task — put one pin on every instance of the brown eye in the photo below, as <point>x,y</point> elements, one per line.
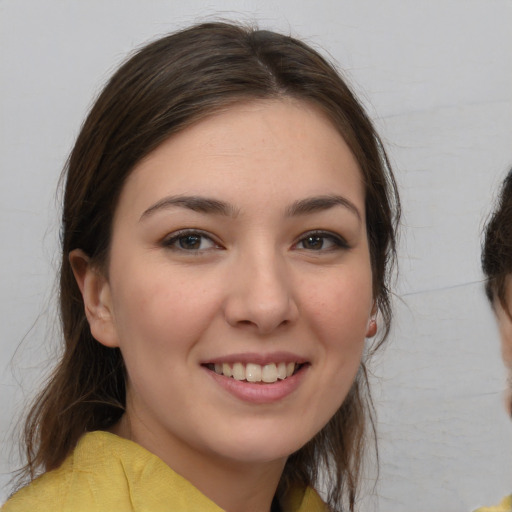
<point>190,241</point>
<point>321,241</point>
<point>313,243</point>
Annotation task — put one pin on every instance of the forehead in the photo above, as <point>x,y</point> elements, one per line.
<point>281,149</point>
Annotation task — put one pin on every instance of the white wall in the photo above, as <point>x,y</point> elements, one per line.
<point>437,78</point>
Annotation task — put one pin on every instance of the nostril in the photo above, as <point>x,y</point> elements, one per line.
<point>256,308</point>
<point>262,326</point>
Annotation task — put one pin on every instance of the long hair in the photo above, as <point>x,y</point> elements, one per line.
<point>163,88</point>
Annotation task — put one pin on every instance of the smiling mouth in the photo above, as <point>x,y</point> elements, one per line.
<point>251,372</point>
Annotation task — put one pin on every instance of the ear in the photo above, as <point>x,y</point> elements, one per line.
<point>97,298</point>
<point>371,329</point>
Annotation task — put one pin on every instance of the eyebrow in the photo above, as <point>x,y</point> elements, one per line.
<point>214,206</point>
<point>195,203</point>
<point>321,203</point>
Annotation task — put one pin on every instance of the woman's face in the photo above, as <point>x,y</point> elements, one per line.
<point>505,327</point>
<point>239,288</point>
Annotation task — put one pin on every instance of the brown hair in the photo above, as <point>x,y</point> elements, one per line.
<point>163,88</point>
<point>497,246</point>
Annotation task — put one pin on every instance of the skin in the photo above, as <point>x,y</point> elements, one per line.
<point>505,327</point>
<point>256,281</point>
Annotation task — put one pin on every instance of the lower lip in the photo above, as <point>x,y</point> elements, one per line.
<point>260,393</point>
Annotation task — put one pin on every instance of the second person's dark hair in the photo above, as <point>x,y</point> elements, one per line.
<point>497,246</point>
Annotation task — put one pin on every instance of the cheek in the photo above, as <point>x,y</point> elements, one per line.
<point>341,308</point>
<point>162,310</point>
<point>340,320</point>
<point>339,315</point>
<point>506,342</point>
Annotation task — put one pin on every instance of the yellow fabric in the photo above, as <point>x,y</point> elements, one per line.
<point>504,506</point>
<point>108,473</point>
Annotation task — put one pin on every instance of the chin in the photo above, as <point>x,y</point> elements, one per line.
<point>265,445</point>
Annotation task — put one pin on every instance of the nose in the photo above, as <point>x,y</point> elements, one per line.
<point>261,295</point>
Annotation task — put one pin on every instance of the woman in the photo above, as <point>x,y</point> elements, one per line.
<point>228,230</point>
<point>497,267</point>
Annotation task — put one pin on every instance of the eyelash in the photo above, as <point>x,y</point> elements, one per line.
<point>337,241</point>
<point>171,243</point>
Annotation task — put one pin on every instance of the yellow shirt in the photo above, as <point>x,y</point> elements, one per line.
<point>504,506</point>
<point>108,473</point>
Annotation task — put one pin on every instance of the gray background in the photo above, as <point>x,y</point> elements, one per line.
<point>436,76</point>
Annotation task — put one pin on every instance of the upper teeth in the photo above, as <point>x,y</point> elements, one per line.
<point>254,372</point>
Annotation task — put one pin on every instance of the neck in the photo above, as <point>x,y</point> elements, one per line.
<point>233,485</point>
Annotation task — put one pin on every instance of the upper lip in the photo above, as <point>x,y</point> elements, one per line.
<point>257,358</point>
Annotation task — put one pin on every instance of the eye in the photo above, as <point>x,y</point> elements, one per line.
<point>321,241</point>
<point>190,241</point>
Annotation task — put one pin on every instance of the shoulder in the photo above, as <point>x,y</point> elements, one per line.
<point>312,502</point>
<point>72,486</point>
<point>504,506</point>
<point>46,493</point>
<point>106,472</point>
<point>304,500</point>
